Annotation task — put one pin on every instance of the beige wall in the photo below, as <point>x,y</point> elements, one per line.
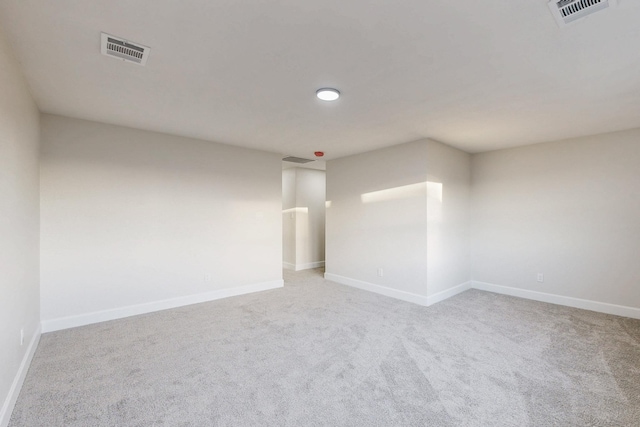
<point>448,221</point>
<point>567,209</point>
<point>377,220</point>
<point>289,218</point>
<point>310,221</point>
<point>405,210</point>
<point>19,226</point>
<point>131,217</point>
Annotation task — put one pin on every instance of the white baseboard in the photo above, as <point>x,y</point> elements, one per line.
<point>133,310</point>
<point>382,290</point>
<point>298,267</point>
<point>307,266</point>
<point>18,380</point>
<point>602,307</point>
<point>448,293</point>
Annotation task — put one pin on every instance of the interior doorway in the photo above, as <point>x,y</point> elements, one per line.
<point>303,215</point>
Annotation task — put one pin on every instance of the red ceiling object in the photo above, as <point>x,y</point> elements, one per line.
<point>319,153</point>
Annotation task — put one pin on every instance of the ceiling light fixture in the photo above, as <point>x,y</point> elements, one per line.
<point>328,94</point>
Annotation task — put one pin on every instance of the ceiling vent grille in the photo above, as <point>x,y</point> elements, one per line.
<point>567,11</point>
<point>124,50</point>
<point>297,159</point>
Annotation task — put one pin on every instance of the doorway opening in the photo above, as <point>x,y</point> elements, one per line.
<point>303,215</point>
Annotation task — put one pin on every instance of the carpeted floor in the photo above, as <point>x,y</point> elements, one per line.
<point>320,354</point>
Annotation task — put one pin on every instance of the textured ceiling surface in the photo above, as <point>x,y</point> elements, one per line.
<point>474,75</point>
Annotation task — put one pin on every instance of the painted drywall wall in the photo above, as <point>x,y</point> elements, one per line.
<point>130,217</point>
<point>19,228</point>
<point>569,210</point>
<point>376,219</point>
<point>303,216</point>
<point>448,221</point>
<point>310,219</point>
<point>289,219</point>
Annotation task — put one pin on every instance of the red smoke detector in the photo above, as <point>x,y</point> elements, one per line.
<point>319,153</point>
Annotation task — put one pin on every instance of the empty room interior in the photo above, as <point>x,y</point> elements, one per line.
<point>285,213</point>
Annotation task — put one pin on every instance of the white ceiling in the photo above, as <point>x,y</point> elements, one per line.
<point>478,75</point>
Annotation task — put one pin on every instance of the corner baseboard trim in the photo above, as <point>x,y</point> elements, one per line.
<point>133,310</point>
<point>448,293</point>
<point>18,380</point>
<point>382,290</point>
<point>307,266</point>
<point>602,307</point>
<point>299,267</point>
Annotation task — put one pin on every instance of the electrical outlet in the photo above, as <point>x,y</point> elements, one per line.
<point>380,272</point>
<point>540,277</point>
<point>22,336</point>
<point>208,278</point>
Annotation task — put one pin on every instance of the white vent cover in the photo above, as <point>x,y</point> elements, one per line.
<point>124,50</point>
<point>567,11</point>
<point>297,159</point>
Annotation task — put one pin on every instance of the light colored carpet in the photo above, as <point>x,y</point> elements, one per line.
<point>320,354</point>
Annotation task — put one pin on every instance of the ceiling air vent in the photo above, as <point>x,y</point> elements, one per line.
<point>124,50</point>
<point>297,159</point>
<point>567,11</point>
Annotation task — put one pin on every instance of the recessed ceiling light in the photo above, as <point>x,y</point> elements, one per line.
<point>328,94</point>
